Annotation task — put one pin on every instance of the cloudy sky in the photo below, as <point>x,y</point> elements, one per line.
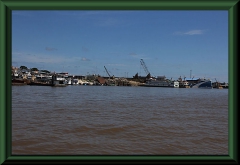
<point>171,43</point>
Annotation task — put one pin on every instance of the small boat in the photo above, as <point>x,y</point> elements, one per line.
<point>75,82</point>
<point>58,81</point>
<point>69,81</point>
<point>184,84</point>
<point>217,85</point>
<point>224,85</point>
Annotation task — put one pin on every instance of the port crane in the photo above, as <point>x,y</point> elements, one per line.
<point>108,72</point>
<point>145,68</point>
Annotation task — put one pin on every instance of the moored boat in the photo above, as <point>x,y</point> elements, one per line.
<point>75,82</point>
<point>204,84</point>
<point>40,83</point>
<point>58,81</point>
<point>161,81</point>
<point>18,81</point>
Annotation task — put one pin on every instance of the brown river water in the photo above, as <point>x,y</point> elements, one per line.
<point>114,120</point>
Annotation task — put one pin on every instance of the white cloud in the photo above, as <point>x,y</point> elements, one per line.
<point>84,59</point>
<point>40,58</point>
<point>190,32</point>
<point>194,32</point>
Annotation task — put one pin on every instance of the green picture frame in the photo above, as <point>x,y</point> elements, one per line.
<point>6,7</point>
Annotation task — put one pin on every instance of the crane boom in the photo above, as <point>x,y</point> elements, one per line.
<point>144,67</point>
<point>107,71</point>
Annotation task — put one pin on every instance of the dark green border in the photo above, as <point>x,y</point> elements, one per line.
<point>6,6</point>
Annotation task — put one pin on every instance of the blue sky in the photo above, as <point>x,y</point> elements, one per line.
<point>171,43</point>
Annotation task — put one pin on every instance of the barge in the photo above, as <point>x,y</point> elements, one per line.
<point>161,81</point>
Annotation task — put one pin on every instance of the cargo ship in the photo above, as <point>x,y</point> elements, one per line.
<point>203,83</point>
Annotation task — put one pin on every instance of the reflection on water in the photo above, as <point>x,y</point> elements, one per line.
<point>112,120</point>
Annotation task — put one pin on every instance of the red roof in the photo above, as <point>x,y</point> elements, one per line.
<point>101,80</point>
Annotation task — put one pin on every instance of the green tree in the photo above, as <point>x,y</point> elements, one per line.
<point>34,69</point>
<point>23,67</point>
<point>46,71</point>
